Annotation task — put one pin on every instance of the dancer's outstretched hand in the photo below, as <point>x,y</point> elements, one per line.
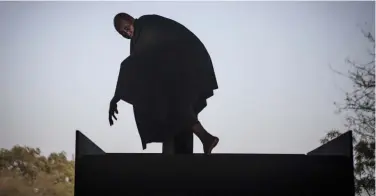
<point>111,113</point>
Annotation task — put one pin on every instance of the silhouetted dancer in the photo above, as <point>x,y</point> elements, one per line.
<point>167,78</point>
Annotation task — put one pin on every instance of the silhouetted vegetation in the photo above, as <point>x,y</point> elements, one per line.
<point>359,106</point>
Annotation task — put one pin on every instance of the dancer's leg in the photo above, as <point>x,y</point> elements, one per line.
<point>186,118</point>
<point>208,141</point>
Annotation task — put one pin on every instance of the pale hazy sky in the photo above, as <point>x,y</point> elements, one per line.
<point>59,63</point>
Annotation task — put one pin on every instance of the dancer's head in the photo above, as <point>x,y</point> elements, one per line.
<point>123,24</point>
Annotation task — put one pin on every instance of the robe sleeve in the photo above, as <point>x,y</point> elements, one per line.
<point>117,95</point>
<point>121,81</point>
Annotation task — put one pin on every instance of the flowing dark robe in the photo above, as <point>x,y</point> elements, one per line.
<point>168,66</point>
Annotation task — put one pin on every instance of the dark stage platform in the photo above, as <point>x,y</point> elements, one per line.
<point>327,170</point>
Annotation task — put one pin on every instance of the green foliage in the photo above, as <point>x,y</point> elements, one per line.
<point>24,171</point>
<point>359,105</point>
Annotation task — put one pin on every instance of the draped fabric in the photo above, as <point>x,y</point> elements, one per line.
<point>167,64</point>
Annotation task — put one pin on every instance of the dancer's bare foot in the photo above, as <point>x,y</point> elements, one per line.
<point>208,141</point>
<point>210,144</point>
